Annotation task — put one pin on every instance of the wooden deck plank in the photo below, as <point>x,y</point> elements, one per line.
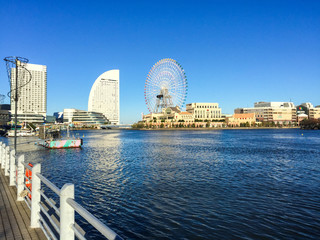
<point>22,220</point>
<point>9,205</point>
<point>15,216</point>
<point>4,214</point>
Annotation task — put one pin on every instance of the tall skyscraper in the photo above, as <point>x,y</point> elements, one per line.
<point>104,96</point>
<point>32,103</point>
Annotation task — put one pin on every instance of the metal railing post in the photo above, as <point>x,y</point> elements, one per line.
<point>35,197</point>
<point>20,177</point>
<point>3,160</point>
<point>3,155</point>
<point>6,167</point>
<point>1,152</point>
<point>66,213</point>
<point>12,167</point>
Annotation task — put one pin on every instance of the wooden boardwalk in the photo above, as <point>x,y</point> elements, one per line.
<point>14,215</point>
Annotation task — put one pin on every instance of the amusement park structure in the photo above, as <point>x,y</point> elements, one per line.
<point>166,86</point>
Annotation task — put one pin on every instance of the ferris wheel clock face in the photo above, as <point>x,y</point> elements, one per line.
<point>166,86</point>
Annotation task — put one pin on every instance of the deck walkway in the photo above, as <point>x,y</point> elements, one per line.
<point>14,215</point>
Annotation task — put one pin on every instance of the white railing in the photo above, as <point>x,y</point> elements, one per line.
<point>62,227</point>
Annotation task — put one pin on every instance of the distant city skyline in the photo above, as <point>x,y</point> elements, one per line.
<point>234,53</point>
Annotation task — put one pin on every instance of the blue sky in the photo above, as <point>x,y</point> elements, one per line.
<point>233,52</point>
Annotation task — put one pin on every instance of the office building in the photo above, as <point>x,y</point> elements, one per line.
<point>104,96</point>
<point>83,117</point>
<point>277,112</point>
<point>5,115</point>
<point>309,110</point>
<point>32,102</point>
<point>237,119</point>
<point>204,111</point>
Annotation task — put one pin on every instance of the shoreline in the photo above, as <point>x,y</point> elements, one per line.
<point>212,129</point>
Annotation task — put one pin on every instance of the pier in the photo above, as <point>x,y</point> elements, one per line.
<point>30,213</point>
<point>15,215</point>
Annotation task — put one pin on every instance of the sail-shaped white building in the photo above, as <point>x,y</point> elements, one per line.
<point>104,96</point>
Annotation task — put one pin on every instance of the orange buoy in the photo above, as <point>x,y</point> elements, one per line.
<point>28,183</point>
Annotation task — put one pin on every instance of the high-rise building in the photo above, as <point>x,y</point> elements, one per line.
<point>32,102</point>
<point>104,96</point>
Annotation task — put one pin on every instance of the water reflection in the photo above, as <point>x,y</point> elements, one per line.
<point>234,184</point>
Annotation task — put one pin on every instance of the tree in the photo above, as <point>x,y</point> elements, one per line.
<point>138,125</point>
<point>162,125</point>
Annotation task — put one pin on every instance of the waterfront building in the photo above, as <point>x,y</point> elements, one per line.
<point>238,119</point>
<point>314,113</point>
<point>29,117</point>
<point>83,117</point>
<point>277,112</point>
<point>170,117</point>
<point>166,114</point>
<point>58,117</point>
<point>104,96</point>
<point>50,119</point>
<point>301,117</point>
<point>5,115</point>
<point>308,109</point>
<point>32,103</point>
<point>204,111</point>
<point>184,117</point>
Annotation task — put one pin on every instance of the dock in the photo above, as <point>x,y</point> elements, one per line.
<point>33,214</point>
<point>15,215</point>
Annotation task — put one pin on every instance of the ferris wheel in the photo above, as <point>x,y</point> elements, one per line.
<point>166,86</point>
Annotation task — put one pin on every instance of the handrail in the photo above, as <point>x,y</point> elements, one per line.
<point>78,234</point>
<point>39,208</point>
<point>47,227</point>
<point>44,230</point>
<point>49,184</point>
<point>50,219</point>
<point>27,166</point>
<point>50,202</point>
<point>103,229</point>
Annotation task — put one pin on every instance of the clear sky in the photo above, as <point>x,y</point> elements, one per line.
<point>234,53</point>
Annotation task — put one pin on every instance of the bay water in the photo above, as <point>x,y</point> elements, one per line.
<point>207,184</point>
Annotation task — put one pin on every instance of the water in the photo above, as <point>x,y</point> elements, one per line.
<point>229,184</point>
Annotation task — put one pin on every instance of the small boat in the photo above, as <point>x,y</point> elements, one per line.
<point>62,143</point>
<point>52,139</point>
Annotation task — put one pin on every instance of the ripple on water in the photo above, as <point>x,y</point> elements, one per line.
<point>235,184</point>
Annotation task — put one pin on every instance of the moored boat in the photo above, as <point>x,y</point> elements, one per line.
<point>52,139</point>
<point>62,143</point>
